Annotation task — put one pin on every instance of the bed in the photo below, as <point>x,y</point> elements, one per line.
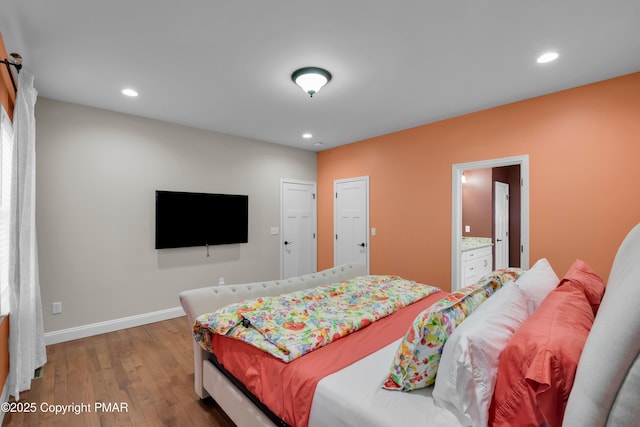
<point>596,382</point>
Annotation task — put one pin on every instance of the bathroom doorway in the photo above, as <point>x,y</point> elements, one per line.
<point>478,216</point>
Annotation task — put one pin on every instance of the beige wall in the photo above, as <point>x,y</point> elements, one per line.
<point>97,172</point>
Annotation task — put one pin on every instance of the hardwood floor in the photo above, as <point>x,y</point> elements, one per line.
<point>146,373</point>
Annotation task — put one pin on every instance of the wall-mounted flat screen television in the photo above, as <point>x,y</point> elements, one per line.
<point>200,219</point>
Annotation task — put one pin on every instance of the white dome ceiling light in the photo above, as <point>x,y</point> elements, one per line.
<point>311,79</point>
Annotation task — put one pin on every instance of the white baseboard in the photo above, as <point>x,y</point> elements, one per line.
<point>70,334</point>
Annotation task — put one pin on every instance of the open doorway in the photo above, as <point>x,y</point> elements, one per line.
<point>477,215</point>
<point>491,216</point>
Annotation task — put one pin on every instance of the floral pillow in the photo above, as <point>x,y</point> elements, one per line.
<point>415,363</point>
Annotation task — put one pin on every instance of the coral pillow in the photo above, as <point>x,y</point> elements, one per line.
<point>583,278</point>
<point>538,365</point>
<point>415,363</point>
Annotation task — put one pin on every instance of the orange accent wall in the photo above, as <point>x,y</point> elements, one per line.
<point>7,98</point>
<point>4,350</point>
<point>7,94</point>
<point>584,152</point>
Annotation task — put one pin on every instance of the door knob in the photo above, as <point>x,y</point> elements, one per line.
<point>287,243</point>
<point>498,240</point>
<point>362,245</point>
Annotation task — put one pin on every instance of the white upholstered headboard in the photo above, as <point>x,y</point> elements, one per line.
<point>606,390</point>
<point>204,300</point>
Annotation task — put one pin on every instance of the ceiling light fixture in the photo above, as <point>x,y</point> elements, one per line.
<point>129,92</point>
<point>547,57</point>
<point>311,79</point>
<point>307,135</point>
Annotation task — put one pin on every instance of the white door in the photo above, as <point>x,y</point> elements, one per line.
<point>298,223</point>
<point>501,225</point>
<point>351,221</point>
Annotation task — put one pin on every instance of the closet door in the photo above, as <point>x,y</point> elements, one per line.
<point>351,221</point>
<point>298,238</point>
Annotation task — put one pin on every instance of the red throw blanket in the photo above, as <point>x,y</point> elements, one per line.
<point>287,389</point>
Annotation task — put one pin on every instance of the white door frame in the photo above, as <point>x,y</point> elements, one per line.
<point>335,216</point>
<point>457,170</point>
<point>314,255</point>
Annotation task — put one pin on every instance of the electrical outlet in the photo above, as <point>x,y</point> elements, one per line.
<point>221,281</point>
<point>56,308</point>
<point>467,229</point>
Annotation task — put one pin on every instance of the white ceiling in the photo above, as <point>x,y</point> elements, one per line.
<point>226,65</point>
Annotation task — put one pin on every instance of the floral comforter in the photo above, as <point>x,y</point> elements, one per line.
<point>291,325</point>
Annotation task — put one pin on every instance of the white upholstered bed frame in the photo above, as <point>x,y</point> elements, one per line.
<point>209,381</point>
<point>606,390</point>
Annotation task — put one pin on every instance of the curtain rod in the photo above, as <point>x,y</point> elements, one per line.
<point>16,61</point>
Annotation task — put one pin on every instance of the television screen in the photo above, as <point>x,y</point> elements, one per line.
<point>199,219</point>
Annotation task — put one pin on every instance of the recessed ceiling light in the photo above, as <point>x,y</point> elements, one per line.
<point>307,135</point>
<point>547,57</point>
<point>129,92</point>
<point>318,144</point>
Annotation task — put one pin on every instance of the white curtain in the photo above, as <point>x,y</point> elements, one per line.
<point>26,339</point>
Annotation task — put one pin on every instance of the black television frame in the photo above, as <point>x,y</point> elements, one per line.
<point>187,219</point>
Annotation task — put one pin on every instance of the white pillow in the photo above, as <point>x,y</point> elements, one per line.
<point>537,282</point>
<point>469,364</point>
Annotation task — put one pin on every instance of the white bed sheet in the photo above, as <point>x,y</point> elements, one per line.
<point>353,397</point>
